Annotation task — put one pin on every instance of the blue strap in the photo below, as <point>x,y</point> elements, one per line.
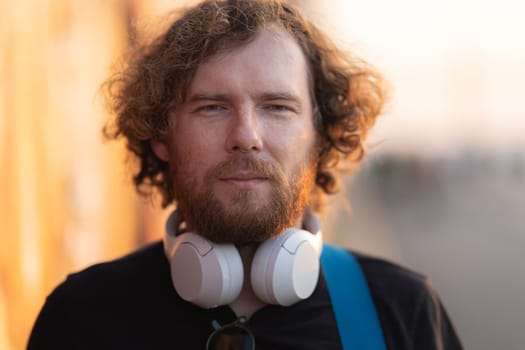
<point>352,303</point>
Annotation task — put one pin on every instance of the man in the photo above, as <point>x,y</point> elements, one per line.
<point>242,113</point>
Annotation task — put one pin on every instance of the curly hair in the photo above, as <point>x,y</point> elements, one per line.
<point>348,95</point>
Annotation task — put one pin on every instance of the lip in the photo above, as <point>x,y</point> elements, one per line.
<point>243,176</point>
<point>244,180</point>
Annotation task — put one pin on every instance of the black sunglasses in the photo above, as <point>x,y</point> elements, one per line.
<point>233,336</point>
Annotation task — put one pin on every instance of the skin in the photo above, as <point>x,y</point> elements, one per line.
<point>255,100</point>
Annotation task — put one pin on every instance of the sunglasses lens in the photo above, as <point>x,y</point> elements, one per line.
<point>231,338</point>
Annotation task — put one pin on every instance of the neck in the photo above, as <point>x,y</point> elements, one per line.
<point>247,302</point>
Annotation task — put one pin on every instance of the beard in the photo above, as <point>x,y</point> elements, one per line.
<point>247,219</point>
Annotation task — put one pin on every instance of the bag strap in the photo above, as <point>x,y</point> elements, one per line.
<point>352,303</point>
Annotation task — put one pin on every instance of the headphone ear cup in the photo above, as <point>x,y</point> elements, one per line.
<point>285,269</point>
<point>205,273</point>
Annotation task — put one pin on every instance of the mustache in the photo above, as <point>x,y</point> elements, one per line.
<point>260,167</point>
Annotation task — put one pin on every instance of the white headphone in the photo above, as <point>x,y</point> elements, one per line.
<point>284,270</point>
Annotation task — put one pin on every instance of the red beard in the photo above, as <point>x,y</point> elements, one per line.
<point>247,220</point>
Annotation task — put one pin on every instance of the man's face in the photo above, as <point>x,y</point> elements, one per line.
<point>241,146</point>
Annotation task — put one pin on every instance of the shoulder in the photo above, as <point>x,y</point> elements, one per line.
<point>138,260</point>
<point>409,308</point>
<point>81,309</point>
<point>395,287</point>
<point>385,275</point>
<point>145,266</point>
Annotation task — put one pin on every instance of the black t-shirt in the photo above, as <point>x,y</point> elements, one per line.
<point>130,303</point>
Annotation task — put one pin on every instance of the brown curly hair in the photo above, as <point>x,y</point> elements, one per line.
<point>347,93</point>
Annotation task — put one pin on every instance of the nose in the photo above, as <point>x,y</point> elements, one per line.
<point>244,134</point>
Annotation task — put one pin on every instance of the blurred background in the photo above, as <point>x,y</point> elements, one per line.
<point>442,190</point>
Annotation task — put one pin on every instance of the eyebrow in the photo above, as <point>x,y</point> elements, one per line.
<point>272,96</point>
<point>266,96</point>
<point>208,97</point>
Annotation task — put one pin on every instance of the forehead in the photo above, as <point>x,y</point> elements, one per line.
<point>271,60</point>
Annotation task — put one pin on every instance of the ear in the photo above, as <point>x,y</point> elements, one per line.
<point>160,149</point>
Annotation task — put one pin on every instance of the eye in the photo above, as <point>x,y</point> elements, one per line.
<point>210,108</point>
<point>279,108</point>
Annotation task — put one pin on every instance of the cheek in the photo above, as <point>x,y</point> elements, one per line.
<point>291,149</point>
<point>192,159</point>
